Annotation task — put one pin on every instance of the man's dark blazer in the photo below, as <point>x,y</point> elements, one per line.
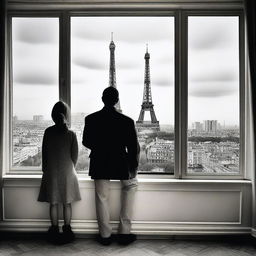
<point>112,139</point>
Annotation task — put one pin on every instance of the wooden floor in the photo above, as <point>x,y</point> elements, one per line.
<point>170,247</point>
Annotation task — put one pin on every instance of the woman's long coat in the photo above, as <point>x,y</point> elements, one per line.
<point>59,156</point>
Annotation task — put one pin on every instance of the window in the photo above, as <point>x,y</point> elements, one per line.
<point>179,72</point>
<point>213,95</point>
<point>35,57</point>
<point>144,88</point>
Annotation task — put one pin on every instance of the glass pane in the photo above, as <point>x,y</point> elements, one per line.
<point>35,57</point>
<point>90,69</point>
<point>213,95</point>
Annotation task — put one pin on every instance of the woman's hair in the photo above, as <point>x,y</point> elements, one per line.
<point>60,112</point>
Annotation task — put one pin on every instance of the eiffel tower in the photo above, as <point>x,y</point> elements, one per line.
<point>147,104</point>
<point>112,70</point>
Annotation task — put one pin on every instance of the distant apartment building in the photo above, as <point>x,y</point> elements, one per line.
<point>195,155</point>
<point>210,126</point>
<point>213,156</point>
<point>160,151</point>
<point>38,118</point>
<point>197,126</point>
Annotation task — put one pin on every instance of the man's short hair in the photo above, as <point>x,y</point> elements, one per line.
<point>110,96</point>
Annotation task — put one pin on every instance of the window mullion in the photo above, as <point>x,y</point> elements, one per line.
<point>180,94</point>
<point>64,59</point>
<point>177,170</point>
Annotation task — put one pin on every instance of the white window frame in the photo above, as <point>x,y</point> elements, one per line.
<point>242,99</point>
<point>8,168</point>
<point>181,83</point>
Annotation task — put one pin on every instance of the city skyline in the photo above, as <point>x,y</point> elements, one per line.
<point>224,124</point>
<point>210,148</point>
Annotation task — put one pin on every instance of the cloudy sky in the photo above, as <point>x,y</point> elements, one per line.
<point>213,65</point>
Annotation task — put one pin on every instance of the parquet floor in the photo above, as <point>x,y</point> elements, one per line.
<point>169,247</point>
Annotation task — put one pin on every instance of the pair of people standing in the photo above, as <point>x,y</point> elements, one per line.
<point>112,139</point>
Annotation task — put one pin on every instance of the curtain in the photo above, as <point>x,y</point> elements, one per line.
<point>250,14</point>
<point>251,37</point>
<point>2,87</point>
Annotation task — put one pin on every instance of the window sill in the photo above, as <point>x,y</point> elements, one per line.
<point>146,180</point>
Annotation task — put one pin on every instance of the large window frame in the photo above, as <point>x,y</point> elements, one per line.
<point>242,93</point>
<point>27,170</point>
<point>180,87</point>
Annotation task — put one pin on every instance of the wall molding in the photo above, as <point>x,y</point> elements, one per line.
<point>253,232</point>
<point>239,195</point>
<point>123,4</point>
<point>140,228</point>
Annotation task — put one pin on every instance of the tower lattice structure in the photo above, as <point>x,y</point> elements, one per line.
<point>112,69</point>
<point>147,104</point>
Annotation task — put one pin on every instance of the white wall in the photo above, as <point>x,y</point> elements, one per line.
<point>161,207</point>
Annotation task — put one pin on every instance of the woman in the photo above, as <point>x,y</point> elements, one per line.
<point>59,183</point>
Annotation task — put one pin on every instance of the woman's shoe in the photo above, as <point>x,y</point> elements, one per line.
<point>53,234</point>
<point>68,235</point>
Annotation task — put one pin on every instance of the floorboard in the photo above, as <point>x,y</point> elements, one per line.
<point>218,246</point>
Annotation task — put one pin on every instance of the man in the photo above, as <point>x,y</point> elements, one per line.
<point>112,139</point>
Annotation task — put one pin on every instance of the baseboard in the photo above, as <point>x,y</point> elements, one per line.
<point>253,232</point>
<point>141,228</point>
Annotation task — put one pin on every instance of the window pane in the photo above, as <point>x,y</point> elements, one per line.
<point>90,41</point>
<point>213,95</point>
<point>35,57</point>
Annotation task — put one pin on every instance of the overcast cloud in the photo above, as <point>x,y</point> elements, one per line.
<point>210,89</point>
<point>213,72</point>
<point>129,29</point>
<point>35,30</point>
<point>212,33</point>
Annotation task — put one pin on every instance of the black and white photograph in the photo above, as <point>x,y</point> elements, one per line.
<point>127,127</point>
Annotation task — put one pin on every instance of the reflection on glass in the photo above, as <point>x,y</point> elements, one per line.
<point>135,54</point>
<point>35,85</point>
<point>213,95</point>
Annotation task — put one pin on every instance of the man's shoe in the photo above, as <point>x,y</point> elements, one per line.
<point>68,235</point>
<point>104,240</point>
<point>126,239</point>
